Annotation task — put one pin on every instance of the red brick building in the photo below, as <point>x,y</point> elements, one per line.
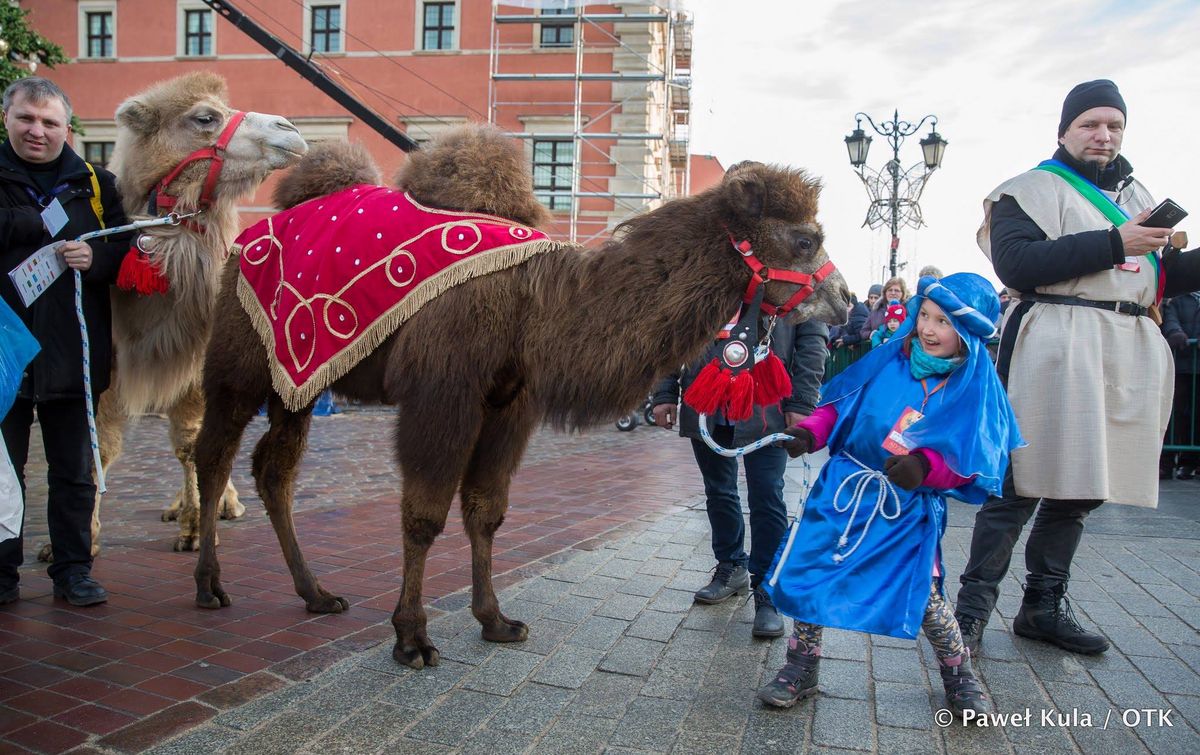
<point>599,93</point>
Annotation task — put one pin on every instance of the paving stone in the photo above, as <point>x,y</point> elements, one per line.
<point>1088,699</point>
<point>469,648</point>
<point>1128,690</point>
<point>1052,664</point>
<point>906,741</point>
<point>406,746</point>
<point>660,567</point>
<point>650,724</point>
<point>674,601</point>
<point>598,632</point>
<point>572,609</point>
<point>207,738</point>
<point>606,695</point>
<point>837,643</point>
<point>366,730</point>
<point>619,568</point>
<point>575,733</point>
<point>638,552</point>
<point>503,672</point>
<point>1168,675</point>
<point>632,656</point>
<point>691,644</point>
<point>545,635</point>
<point>654,625</point>
<point>492,742</point>
<point>1013,687</point>
<point>676,551</point>
<point>1173,740</point>
<point>1187,708</point>
<point>890,664</point>
<point>1134,640</point>
<point>597,587</point>
<point>847,679</point>
<point>839,723</point>
<point>544,590</point>
<point>1170,630</point>
<point>530,710</point>
<point>721,710</point>
<point>623,606</point>
<point>675,679</point>
<point>569,666</point>
<point>710,618</point>
<point>256,711</point>
<point>692,742</point>
<point>643,584</point>
<point>454,717</point>
<point>421,689</point>
<point>903,705</point>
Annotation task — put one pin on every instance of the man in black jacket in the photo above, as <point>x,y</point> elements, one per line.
<point>1181,323</point>
<point>802,350</point>
<point>38,170</point>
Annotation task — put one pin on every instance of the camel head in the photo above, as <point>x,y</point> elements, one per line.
<point>159,128</point>
<point>474,168</point>
<point>775,209</point>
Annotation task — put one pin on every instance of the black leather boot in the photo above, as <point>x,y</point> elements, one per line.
<point>963,691</point>
<point>1046,615</point>
<point>728,580</point>
<point>795,681</point>
<point>972,631</point>
<point>767,621</point>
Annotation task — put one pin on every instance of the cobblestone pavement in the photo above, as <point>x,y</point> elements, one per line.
<point>620,659</point>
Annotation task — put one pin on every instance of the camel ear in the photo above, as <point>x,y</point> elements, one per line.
<point>136,116</point>
<point>747,194</point>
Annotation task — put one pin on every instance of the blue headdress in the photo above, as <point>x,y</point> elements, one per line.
<point>973,426</point>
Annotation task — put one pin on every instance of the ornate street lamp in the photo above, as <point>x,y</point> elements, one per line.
<point>895,192</point>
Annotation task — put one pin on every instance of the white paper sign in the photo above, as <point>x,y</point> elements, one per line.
<point>12,505</point>
<point>37,272</point>
<point>55,217</point>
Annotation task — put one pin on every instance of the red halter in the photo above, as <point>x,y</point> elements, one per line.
<point>760,274</point>
<point>164,202</point>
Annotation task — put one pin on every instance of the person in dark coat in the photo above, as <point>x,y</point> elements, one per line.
<point>1181,323</point>
<point>848,334</point>
<point>38,170</point>
<point>802,350</point>
<point>895,291</point>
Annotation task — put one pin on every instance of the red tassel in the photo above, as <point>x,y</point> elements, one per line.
<point>139,274</point>
<point>772,383</point>
<point>741,397</point>
<point>709,390</point>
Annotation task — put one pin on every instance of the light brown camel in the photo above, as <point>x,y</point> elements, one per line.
<point>573,336</point>
<point>160,337</point>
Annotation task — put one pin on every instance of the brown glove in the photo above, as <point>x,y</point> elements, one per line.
<point>907,472</point>
<point>801,442</point>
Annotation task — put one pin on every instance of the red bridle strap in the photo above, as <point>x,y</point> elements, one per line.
<point>215,154</point>
<point>760,274</point>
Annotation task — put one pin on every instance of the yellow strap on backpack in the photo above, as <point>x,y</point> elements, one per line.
<point>97,207</point>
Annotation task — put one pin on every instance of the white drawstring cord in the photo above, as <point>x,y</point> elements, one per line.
<point>863,478</point>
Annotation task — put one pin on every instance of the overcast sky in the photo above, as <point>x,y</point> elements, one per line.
<point>780,81</point>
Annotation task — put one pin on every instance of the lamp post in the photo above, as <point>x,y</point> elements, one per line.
<point>894,192</point>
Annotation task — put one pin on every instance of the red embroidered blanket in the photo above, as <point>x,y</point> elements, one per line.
<point>327,281</point>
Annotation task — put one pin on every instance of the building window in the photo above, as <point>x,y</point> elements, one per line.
<point>326,29</point>
<point>552,163</point>
<point>558,33</point>
<point>438,26</point>
<point>98,153</point>
<point>197,33</point>
<point>99,34</point>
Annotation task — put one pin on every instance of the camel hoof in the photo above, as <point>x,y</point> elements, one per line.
<point>232,510</point>
<point>506,630</point>
<point>417,658</point>
<point>327,604</point>
<point>170,514</point>
<point>212,601</point>
<point>46,554</point>
<point>186,543</point>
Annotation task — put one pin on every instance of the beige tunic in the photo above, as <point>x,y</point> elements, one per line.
<point>1091,389</point>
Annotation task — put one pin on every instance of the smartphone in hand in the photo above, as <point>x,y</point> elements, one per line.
<point>1166,215</point>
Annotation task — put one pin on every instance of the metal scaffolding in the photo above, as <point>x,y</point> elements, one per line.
<point>652,161</point>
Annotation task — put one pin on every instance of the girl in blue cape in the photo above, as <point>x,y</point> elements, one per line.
<point>919,418</point>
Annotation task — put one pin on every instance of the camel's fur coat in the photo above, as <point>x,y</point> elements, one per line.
<point>573,335</point>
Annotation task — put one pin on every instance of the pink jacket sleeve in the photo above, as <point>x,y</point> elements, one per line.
<point>820,423</point>
<point>940,476</point>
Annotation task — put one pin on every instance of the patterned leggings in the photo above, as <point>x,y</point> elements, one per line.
<point>940,626</point>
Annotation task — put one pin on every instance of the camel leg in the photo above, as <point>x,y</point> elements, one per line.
<point>185,419</point>
<point>216,445</point>
<point>276,459</point>
<point>424,506</point>
<point>110,427</point>
<point>484,502</point>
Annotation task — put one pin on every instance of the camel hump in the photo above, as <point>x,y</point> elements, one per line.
<point>326,168</point>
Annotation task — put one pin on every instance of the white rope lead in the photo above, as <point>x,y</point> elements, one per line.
<point>94,437</point>
<point>861,479</point>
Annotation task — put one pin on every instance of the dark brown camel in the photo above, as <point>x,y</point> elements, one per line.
<point>572,336</point>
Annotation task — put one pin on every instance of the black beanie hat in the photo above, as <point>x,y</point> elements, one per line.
<point>1085,96</point>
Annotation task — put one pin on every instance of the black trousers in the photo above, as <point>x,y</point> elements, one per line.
<point>1053,540</point>
<point>72,491</point>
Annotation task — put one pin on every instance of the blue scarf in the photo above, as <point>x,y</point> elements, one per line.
<point>923,364</point>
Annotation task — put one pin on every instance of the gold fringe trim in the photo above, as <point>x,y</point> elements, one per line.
<point>297,397</point>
